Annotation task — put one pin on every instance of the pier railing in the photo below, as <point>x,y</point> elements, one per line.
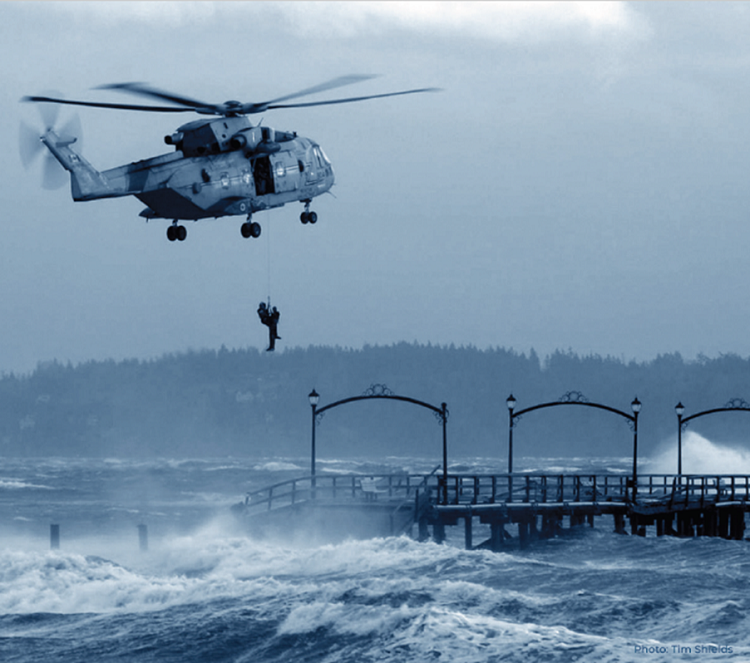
<point>673,491</point>
<point>333,487</point>
<point>535,488</point>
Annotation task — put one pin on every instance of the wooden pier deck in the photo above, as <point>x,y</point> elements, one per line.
<point>509,509</point>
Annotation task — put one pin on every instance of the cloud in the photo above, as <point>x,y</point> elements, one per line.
<point>171,14</point>
<point>509,22</point>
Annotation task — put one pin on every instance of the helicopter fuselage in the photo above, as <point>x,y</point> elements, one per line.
<point>221,167</point>
<point>234,179</point>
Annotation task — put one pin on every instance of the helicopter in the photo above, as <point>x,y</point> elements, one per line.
<point>222,166</point>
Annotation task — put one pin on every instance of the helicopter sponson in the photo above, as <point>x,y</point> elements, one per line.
<point>223,166</point>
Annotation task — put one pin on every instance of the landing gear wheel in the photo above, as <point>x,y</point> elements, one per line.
<point>304,217</point>
<point>312,217</point>
<point>248,229</point>
<point>175,232</point>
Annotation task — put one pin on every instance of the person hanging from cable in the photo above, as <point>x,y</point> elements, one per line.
<point>271,320</point>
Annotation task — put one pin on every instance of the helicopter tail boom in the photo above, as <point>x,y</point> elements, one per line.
<point>86,183</point>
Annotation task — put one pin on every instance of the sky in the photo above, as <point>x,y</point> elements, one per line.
<point>580,183</point>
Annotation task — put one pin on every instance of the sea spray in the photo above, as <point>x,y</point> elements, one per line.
<point>699,456</point>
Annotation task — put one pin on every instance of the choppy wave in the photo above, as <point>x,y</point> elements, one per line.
<point>16,484</point>
<point>594,599</point>
<point>202,592</point>
<point>277,466</point>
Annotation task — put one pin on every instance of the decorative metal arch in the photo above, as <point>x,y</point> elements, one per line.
<point>572,398</point>
<point>381,391</point>
<point>576,398</point>
<point>731,405</point>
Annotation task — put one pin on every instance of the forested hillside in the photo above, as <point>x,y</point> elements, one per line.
<point>247,402</point>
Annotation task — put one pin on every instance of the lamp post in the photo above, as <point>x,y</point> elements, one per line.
<point>313,397</point>
<point>636,406</point>
<point>444,419</point>
<point>511,403</point>
<point>680,410</point>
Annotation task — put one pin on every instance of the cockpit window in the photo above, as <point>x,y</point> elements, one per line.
<point>320,156</point>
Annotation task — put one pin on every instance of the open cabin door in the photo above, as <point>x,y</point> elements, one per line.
<point>263,175</point>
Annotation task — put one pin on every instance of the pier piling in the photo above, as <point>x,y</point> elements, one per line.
<point>424,531</point>
<point>619,523</point>
<point>723,525</point>
<point>497,535</point>
<point>468,536</point>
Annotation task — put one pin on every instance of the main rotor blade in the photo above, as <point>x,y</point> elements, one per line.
<point>96,104</point>
<point>346,101</point>
<point>147,91</point>
<point>227,108</point>
<point>322,87</point>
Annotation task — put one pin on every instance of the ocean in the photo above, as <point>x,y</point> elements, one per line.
<point>205,591</point>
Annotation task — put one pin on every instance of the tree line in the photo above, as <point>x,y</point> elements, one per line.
<point>246,402</point>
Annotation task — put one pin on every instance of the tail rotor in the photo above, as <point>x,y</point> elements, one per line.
<point>31,146</point>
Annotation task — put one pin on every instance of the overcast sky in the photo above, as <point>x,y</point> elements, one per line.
<point>582,181</point>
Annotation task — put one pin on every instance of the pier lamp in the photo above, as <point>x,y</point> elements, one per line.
<point>313,397</point>
<point>636,407</point>
<point>679,410</point>
<point>511,403</point>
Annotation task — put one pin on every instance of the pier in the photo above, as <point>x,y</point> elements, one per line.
<point>511,509</point>
<point>507,508</point>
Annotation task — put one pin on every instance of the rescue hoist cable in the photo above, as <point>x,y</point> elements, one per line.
<point>268,263</point>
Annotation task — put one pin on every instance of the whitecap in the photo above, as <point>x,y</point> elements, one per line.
<point>277,466</point>
<point>15,484</point>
